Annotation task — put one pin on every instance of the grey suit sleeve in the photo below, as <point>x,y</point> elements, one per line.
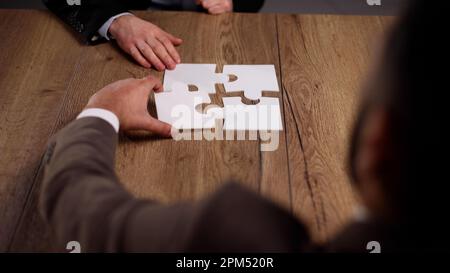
<point>83,201</point>
<point>80,188</point>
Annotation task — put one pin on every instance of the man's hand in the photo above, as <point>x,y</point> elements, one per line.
<point>148,44</point>
<point>128,100</point>
<point>216,6</point>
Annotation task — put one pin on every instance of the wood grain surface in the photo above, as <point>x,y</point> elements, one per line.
<point>324,60</point>
<point>35,71</point>
<point>47,76</point>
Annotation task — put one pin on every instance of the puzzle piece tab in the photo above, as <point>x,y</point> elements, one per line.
<point>203,76</point>
<point>265,115</point>
<point>252,79</point>
<point>178,108</point>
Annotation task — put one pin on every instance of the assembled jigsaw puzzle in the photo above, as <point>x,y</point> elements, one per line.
<point>178,104</point>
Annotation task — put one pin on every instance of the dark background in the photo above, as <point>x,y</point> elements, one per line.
<point>388,7</point>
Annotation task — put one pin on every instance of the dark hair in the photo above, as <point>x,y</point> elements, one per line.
<point>412,85</point>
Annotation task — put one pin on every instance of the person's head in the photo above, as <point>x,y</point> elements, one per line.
<point>399,150</point>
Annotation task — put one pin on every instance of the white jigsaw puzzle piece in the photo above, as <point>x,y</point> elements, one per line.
<point>266,115</point>
<point>178,108</point>
<point>213,113</point>
<point>252,79</point>
<point>203,76</point>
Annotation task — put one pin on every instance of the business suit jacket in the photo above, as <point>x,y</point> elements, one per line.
<point>83,200</point>
<point>88,17</point>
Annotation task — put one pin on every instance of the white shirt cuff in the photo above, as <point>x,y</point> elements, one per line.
<point>103,30</point>
<point>106,115</point>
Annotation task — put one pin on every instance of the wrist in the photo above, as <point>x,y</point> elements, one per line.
<point>117,23</point>
<point>101,113</point>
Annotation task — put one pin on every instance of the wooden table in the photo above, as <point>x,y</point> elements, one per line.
<point>47,76</point>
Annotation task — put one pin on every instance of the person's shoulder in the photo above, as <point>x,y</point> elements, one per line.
<point>237,219</point>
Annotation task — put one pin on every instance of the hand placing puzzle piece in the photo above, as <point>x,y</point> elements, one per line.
<point>178,108</point>
<point>202,76</point>
<point>251,79</point>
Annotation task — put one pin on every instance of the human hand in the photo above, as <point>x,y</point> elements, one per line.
<point>216,6</point>
<point>128,99</point>
<point>145,42</point>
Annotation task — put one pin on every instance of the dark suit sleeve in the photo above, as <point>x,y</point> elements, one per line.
<point>81,197</point>
<point>247,5</point>
<point>82,200</point>
<point>86,18</point>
